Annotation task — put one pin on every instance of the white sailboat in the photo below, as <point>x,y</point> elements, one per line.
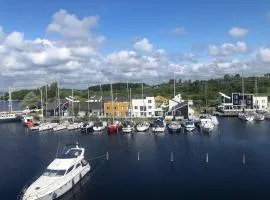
<point>189,125</point>
<point>62,174</point>
<point>174,127</point>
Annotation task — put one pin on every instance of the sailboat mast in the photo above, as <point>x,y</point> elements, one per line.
<point>46,93</point>
<point>41,102</point>
<point>243,91</point>
<point>112,102</point>
<point>88,102</point>
<point>72,105</point>
<point>174,85</point>
<point>205,94</point>
<point>58,94</point>
<point>256,91</point>
<point>130,104</point>
<point>9,101</point>
<point>101,99</point>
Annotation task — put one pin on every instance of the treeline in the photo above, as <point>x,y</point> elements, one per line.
<point>199,90</point>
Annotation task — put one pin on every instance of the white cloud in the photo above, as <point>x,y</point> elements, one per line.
<point>264,54</point>
<point>228,49</point>
<point>71,26</point>
<point>143,45</point>
<point>15,40</point>
<point>238,32</point>
<point>178,31</point>
<point>2,34</point>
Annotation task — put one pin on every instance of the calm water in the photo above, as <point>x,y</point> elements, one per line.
<point>24,155</point>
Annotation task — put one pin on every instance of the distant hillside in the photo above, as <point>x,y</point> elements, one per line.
<point>196,90</point>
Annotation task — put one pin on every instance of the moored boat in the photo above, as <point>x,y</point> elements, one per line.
<point>159,125</point>
<point>174,127</point>
<point>245,117</point>
<point>62,174</point>
<point>142,126</point>
<point>87,127</point>
<point>98,126</point>
<point>189,125</point>
<point>75,125</point>
<point>127,127</point>
<point>114,128</point>
<point>206,125</point>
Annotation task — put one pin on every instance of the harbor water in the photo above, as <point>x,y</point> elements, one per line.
<point>231,163</point>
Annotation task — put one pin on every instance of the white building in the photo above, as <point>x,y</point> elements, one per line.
<point>143,107</point>
<point>175,101</point>
<point>260,103</point>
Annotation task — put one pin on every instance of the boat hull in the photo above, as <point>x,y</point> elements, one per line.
<point>114,129</point>
<point>63,188</point>
<point>127,129</point>
<point>158,129</point>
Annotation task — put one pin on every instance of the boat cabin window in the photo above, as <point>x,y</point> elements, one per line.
<point>189,123</point>
<point>52,172</point>
<point>78,165</point>
<point>72,153</point>
<point>70,169</point>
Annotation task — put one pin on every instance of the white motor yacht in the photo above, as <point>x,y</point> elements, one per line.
<point>159,125</point>
<point>206,125</point>
<point>189,125</point>
<point>99,126</point>
<point>143,126</point>
<point>60,176</point>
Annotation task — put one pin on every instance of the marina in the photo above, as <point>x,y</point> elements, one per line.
<point>235,155</point>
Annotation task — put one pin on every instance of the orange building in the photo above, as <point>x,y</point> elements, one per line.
<point>120,109</point>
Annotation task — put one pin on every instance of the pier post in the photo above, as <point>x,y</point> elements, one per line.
<point>206,158</point>
<point>107,155</point>
<point>244,158</point>
<point>172,157</point>
<point>138,155</point>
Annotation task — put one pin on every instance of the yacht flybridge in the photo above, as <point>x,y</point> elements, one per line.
<point>59,177</point>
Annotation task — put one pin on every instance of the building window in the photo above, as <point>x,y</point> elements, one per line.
<point>149,101</point>
<point>262,101</point>
<point>135,107</point>
<point>141,113</point>
<point>141,108</point>
<point>115,108</point>
<point>149,113</point>
<point>149,107</point>
<point>108,107</point>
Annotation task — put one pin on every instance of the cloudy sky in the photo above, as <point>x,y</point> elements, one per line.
<point>101,41</point>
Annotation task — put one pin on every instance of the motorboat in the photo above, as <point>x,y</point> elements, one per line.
<point>87,127</point>
<point>34,127</point>
<point>245,117</point>
<point>115,127</point>
<point>267,115</point>
<point>159,125</point>
<point>46,126</point>
<point>189,125</point>
<point>258,116</point>
<point>99,126</point>
<point>142,126</point>
<point>214,119</point>
<point>62,174</point>
<point>61,126</point>
<point>75,125</point>
<point>128,127</point>
<point>206,125</point>
<point>27,121</point>
<point>174,127</point>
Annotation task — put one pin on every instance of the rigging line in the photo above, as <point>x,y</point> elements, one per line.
<point>96,169</point>
<point>97,157</point>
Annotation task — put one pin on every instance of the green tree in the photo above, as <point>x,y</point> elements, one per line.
<point>31,99</point>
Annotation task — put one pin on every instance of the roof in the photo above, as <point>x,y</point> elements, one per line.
<point>63,164</point>
<point>224,95</point>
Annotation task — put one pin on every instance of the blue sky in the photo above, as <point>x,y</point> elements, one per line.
<point>125,22</point>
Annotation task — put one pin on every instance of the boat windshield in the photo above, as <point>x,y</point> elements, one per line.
<point>159,123</point>
<point>72,153</point>
<point>52,172</point>
<point>189,123</point>
<point>98,124</point>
